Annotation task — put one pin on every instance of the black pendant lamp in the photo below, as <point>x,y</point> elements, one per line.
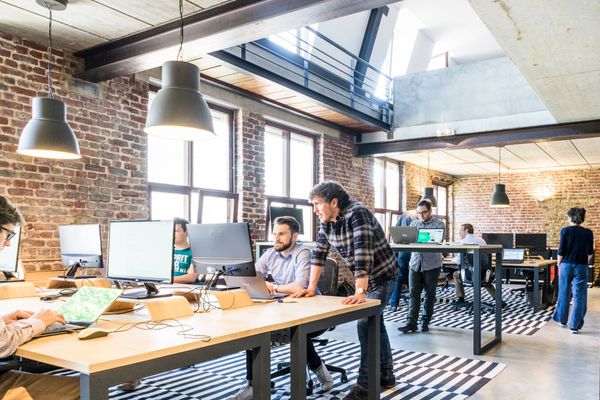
<point>47,134</point>
<point>428,191</point>
<point>499,197</point>
<point>179,110</point>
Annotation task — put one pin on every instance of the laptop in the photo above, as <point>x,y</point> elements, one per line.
<point>403,234</point>
<point>431,235</point>
<point>254,285</point>
<point>513,255</point>
<point>83,309</point>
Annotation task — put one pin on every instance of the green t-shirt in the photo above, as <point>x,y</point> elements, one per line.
<point>182,259</point>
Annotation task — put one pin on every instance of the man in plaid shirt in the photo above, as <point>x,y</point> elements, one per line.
<point>355,233</point>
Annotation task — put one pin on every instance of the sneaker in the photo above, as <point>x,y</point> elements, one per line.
<point>574,331</point>
<point>357,394</point>
<point>245,393</point>
<point>408,328</point>
<point>387,383</point>
<point>129,386</point>
<point>425,327</point>
<point>324,378</point>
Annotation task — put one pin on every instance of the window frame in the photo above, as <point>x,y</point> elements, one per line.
<point>386,211</point>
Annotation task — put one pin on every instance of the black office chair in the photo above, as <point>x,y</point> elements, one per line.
<point>487,277</point>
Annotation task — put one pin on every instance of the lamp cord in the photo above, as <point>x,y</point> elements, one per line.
<point>49,49</point>
<point>499,161</point>
<point>180,52</point>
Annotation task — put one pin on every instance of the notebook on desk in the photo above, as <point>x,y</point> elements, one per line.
<point>83,309</point>
<point>254,285</point>
<point>513,255</point>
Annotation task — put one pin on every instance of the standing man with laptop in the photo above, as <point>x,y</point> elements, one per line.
<point>288,264</point>
<point>423,273</point>
<point>354,232</point>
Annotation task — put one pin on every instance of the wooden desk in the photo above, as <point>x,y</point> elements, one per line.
<point>134,354</point>
<point>476,251</point>
<point>535,266</point>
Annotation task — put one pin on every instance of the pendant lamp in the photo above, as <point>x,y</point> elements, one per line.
<point>428,191</point>
<point>179,110</point>
<point>47,134</point>
<point>499,197</point>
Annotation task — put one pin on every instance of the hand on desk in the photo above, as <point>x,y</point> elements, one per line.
<point>304,293</point>
<point>355,299</point>
<point>16,315</point>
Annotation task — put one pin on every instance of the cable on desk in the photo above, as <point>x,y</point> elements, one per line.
<point>159,325</point>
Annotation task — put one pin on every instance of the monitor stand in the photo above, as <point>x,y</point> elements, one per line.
<point>150,292</point>
<point>72,270</point>
<point>10,277</point>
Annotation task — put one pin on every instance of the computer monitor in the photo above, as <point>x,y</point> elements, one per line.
<point>223,249</point>
<point>531,241</point>
<point>141,251</point>
<point>9,257</point>
<point>297,213</point>
<point>80,247</point>
<point>504,239</point>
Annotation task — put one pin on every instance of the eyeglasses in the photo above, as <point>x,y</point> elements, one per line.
<point>423,212</point>
<point>9,235</point>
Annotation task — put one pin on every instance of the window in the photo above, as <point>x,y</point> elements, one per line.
<point>178,169</point>
<point>387,191</point>
<point>440,191</point>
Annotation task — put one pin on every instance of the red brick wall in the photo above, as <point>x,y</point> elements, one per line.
<point>108,182</point>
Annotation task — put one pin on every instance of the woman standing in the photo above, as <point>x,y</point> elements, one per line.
<point>574,255</point>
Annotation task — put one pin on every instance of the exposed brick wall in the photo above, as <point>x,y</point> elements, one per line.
<point>538,203</point>
<point>108,182</point>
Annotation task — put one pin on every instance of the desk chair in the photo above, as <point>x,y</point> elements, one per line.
<point>328,286</point>
<point>487,277</point>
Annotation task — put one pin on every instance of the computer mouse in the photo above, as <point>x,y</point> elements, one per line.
<point>92,333</point>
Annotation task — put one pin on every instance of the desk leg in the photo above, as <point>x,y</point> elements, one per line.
<point>498,300</point>
<point>261,369</point>
<point>92,387</point>
<point>476,278</point>
<point>298,363</point>
<point>373,356</point>
<point>536,289</point>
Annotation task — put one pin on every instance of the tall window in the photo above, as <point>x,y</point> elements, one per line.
<point>178,169</point>
<point>387,191</point>
<point>290,171</point>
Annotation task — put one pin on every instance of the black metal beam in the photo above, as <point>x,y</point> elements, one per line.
<point>542,133</point>
<point>368,43</point>
<point>216,28</point>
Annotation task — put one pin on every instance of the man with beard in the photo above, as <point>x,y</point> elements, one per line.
<point>288,265</point>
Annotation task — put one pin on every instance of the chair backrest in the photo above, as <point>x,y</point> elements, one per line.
<point>467,268</point>
<point>328,281</point>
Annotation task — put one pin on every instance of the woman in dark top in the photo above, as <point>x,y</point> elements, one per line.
<point>574,255</point>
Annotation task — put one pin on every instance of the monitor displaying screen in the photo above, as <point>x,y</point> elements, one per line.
<point>431,235</point>
<point>10,254</point>
<point>275,212</point>
<point>80,247</point>
<point>222,248</point>
<point>532,241</point>
<point>504,239</point>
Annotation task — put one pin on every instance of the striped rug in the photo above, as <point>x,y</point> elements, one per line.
<point>419,376</point>
<point>517,317</point>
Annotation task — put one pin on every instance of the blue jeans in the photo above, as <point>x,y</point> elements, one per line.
<point>572,278</point>
<point>385,351</point>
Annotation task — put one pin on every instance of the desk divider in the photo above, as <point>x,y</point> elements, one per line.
<point>14,290</point>
<point>62,283</point>
<point>162,308</point>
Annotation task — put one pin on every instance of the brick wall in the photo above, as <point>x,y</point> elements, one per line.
<point>108,182</point>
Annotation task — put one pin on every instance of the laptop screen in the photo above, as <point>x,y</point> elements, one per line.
<point>88,303</point>
<point>513,254</point>
<point>431,235</point>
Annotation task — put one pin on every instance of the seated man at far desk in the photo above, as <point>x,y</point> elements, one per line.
<point>288,264</point>
<point>467,237</point>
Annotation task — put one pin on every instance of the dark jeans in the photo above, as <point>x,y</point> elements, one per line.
<point>402,276</point>
<point>385,352</point>
<point>572,279</point>
<point>417,282</point>
<point>312,358</point>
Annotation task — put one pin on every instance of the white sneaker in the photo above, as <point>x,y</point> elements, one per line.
<point>245,393</point>
<point>324,378</point>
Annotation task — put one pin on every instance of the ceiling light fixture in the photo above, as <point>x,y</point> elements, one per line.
<point>428,190</point>
<point>47,134</point>
<point>179,111</point>
<point>499,197</point>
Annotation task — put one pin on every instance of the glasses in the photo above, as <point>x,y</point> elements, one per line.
<point>423,212</point>
<point>9,234</point>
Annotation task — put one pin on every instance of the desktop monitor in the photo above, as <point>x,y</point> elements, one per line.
<point>80,247</point>
<point>531,241</point>
<point>504,239</point>
<point>224,249</point>
<point>9,256</point>
<point>141,251</point>
<point>275,212</point>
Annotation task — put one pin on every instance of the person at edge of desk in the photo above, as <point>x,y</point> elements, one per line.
<point>288,264</point>
<point>467,236</point>
<point>21,326</point>
<point>424,271</point>
<point>575,250</point>
<point>355,233</point>
<point>406,218</point>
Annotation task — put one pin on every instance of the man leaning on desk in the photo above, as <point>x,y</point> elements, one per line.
<point>21,326</point>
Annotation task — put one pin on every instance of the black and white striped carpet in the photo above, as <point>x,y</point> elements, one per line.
<point>419,376</point>
<point>517,317</point>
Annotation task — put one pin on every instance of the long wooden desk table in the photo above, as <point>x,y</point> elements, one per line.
<point>134,354</point>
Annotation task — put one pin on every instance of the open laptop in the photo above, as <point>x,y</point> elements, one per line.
<point>431,235</point>
<point>513,255</point>
<point>83,309</point>
<point>254,285</point>
<point>403,234</point>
